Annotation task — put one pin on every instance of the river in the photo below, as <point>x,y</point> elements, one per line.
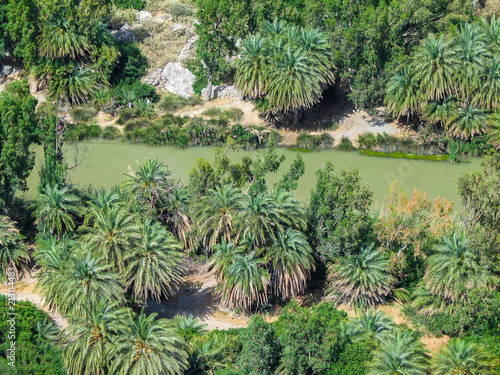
<point>105,163</point>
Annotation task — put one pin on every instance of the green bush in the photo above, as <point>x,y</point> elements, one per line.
<point>136,124</point>
<point>111,132</point>
<point>172,103</point>
<point>230,114</point>
<point>212,112</point>
<point>367,141</point>
<point>131,66</point>
<point>83,132</point>
<point>306,141</point>
<point>82,114</point>
<point>345,145</point>
<point>124,4</point>
<point>126,115</point>
<point>180,10</point>
<point>36,353</point>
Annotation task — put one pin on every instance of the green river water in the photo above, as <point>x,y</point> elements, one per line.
<point>106,162</point>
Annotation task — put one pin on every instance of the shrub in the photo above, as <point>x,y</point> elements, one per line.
<point>171,103</point>
<point>212,112</point>
<point>145,109</point>
<point>131,66</point>
<point>125,4</point>
<point>180,10</point>
<point>112,107</point>
<point>136,124</point>
<point>127,115</point>
<point>326,140</point>
<point>229,114</point>
<point>202,134</point>
<point>82,114</point>
<point>367,141</point>
<point>111,132</point>
<point>232,114</point>
<point>170,119</point>
<point>118,16</point>
<point>331,125</point>
<point>345,144</point>
<point>100,98</point>
<point>83,132</point>
<point>194,100</point>
<point>306,141</point>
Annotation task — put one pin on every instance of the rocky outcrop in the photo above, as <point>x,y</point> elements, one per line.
<point>173,78</point>
<point>188,50</point>
<point>224,91</point>
<point>7,70</point>
<point>126,33</point>
<point>143,15</point>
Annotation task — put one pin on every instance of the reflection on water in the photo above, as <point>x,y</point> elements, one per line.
<point>105,163</point>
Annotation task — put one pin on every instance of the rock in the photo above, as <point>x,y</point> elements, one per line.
<point>178,80</point>
<point>155,78</point>
<point>224,91</point>
<point>143,15</point>
<point>7,70</point>
<point>188,49</point>
<point>178,26</point>
<point>126,33</point>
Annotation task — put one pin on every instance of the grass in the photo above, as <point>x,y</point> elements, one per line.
<point>228,114</point>
<point>81,114</point>
<point>402,155</point>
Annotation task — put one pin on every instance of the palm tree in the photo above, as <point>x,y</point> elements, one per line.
<point>251,67</point>
<point>113,233</point>
<point>459,357</point>
<point>261,219</point>
<point>55,208</point>
<point>60,40</point>
<point>444,111</point>
<point>176,215</point>
<point>315,45</point>
<point>370,325</point>
<point>434,66</point>
<point>154,266</point>
<point>494,129</point>
<point>71,83</point>
<point>362,279</point>
<point>470,121</point>
<point>454,270</point>
<point>491,31</point>
<point>471,54</point>
<point>399,353</point>
<point>293,84</point>
<point>217,213</point>
<point>12,250</point>
<point>147,345</point>
<point>210,351</point>
<point>80,281</point>
<point>292,212</point>
<point>245,282</point>
<point>222,258</point>
<point>46,330</point>
<point>188,326</point>
<point>488,96</point>
<point>90,337</point>
<point>402,96</point>
<point>291,260</point>
<point>150,183</point>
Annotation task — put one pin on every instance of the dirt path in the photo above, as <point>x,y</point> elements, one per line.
<point>198,298</point>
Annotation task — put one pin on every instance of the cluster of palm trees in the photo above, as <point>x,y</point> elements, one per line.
<point>453,81</point>
<point>286,65</point>
<point>258,244</point>
<point>399,351</point>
